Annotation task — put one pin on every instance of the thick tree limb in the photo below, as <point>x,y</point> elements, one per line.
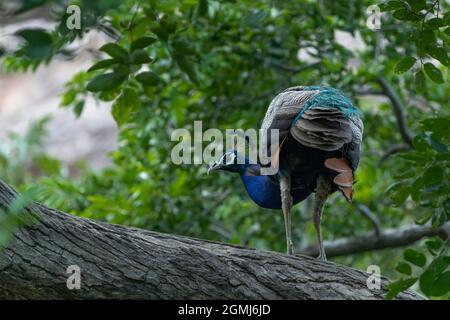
<point>390,238</point>
<point>127,263</point>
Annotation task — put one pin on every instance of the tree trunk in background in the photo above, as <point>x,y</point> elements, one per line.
<point>128,263</point>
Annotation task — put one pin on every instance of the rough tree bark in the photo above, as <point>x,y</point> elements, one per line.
<point>128,263</point>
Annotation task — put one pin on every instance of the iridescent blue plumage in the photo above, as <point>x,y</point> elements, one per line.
<point>330,98</point>
<point>265,191</point>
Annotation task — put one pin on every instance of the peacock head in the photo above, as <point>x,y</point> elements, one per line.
<point>230,161</point>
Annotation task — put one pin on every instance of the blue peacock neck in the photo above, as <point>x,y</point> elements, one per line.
<point>263,190</point>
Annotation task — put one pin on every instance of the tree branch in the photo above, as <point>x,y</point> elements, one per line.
<point>128,263</point>
<point>371,216</point>
<point>398,107</point>
<point>396,148</point>
<point>390,238</point>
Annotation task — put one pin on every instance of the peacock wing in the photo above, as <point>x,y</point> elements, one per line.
<point>281,113</point>
<point>322,128</point>
<point>317,117</point>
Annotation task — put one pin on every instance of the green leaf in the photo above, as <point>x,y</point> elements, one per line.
<point>202,7</point>
<point>148,78</point>
<point>433,175</point>
<point>159,31</point>
<point>185,65</point>
<point>404,64</point>
<point>439,53</point>
<point>398,286</point>
<point>424,219</point>
<point>115,51</point>
<point>169,24</point>
<point>420,143</point>
<point>446,207</point>
<point>35,37</point>
<point>416,188</point>
<point>39,43</point>
<point>68,97</point>
<point>182,47</point>
<point>434,243</point>
<point>419,81</point>
<point>142,43</point>
<point>434,23</point>
<point>441,285</point>
<point>433,73</point>
<point>110,95</point>
<point>78,109</point>
<point>418,158</point>
<point>404,268</point>
<point>405,15</point>
<point>439,217</point>
<point>425,39</point>
<point>415,257</point>
<point>124,107</point>
<point>447,18</point>
<point>2,51</point>
<point>431,276</point>
<point>439,126</point>
<point>437,146</point>
<point>447,31</point>
<point>432,123</point>
<point>392,5</point>
<point>140,57</point>
<point>398,192</point>
<point>103,64</point>
<point>107,81</point>
<point>417,5</point>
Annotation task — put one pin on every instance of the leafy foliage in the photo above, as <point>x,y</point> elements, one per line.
<point>430,42</point>
<point>424,181</point>
<point>21,154</point>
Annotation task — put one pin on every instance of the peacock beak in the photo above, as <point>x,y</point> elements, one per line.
<point>214,167</point>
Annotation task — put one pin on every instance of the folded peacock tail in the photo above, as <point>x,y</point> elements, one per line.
<point>317,117</point>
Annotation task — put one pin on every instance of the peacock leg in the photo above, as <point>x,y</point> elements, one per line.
<point>322,192</point>
<point>286,205</point>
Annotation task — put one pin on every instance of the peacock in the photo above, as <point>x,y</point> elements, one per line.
<point>320,134</point>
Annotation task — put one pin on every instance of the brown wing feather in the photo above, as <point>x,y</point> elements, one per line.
<point>322,128</point>
<point>282,111</point>
<point>344,180</point>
